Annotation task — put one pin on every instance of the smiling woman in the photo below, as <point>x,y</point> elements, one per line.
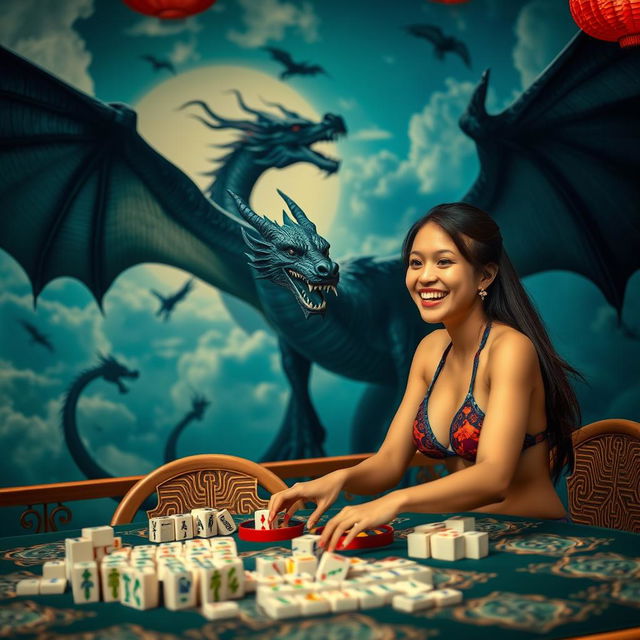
<point>501,402</point>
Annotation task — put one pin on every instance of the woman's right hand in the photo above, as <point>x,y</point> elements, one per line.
<point>323,491</point>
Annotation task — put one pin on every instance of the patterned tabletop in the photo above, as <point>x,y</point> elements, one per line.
<point>542,579</point>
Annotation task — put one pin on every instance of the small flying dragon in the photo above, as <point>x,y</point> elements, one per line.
<point>293,68</point>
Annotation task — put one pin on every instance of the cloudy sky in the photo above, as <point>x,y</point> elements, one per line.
<point>404,153</point>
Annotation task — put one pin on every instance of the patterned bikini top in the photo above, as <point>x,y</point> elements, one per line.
<point>464,432</point>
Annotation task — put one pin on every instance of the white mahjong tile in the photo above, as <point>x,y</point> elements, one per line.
<point>369,599</point>
<point>461,523</point>
<point>53,586</point>
<point>111,580</point>
<point>430,527</point>
<point>226,524</point>
<point>266,592</point>
<point>269,580</point>
<point>412,586</point>
<point>342,600</point>
<point>279,607</point>
<point>250,581</point>
<point>447,545</point>
<point>393,562</point>
<point>77,550</point>
<point>358,566</point>
<point>332,567</point>
<point>306,545</point>
<point>54,569</point>
<point>205,524</point>
<point>169,563</point>
<point>28,587</point>
<point>182,526</point>
<point>419,573</point>
<point>161,529</point>
<point>99,536</point>
<point>384,590</point>
<point>261,520</point>
<point>413,602</point>
<point>476,544</point>
<point>418,545</point>
<point>299,564</point>
<point>220,610</point>
<point>270,566</point>
<point>179,588</point>
<point>85,583</point>
<point>361,581</point>
<point>447,597</point>
<point>140,588</point>
<point>313,604</point>
<point>390,575</point>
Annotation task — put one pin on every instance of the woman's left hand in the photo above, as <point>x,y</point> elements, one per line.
<point>358,518</point>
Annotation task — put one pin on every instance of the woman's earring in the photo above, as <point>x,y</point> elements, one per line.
<point>483,294</point>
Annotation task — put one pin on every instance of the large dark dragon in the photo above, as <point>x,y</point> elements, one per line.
<point>84,196</point>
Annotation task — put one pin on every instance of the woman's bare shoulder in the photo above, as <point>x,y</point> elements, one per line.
<point>509,343</point>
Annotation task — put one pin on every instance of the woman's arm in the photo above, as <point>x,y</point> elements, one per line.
<point>512,372</point>
<point>378,473</point>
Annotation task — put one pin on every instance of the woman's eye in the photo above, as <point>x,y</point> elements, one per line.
<point>414,263</point>
<point>444,261</point>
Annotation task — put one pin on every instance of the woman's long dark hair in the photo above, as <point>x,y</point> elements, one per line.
<point>508,302</point>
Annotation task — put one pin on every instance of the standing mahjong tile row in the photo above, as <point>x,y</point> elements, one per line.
<point>203,522</point>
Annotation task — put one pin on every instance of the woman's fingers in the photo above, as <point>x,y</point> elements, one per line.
<point>280,501</point>
<point>338,532</point>
<point>355,530</point>
<point>315,516</point>
<point>330,528</point>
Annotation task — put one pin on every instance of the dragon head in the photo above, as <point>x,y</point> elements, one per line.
<point>292,255</point>
<point>113,371</point>
<point>199,405</point>
<point>277,140</point>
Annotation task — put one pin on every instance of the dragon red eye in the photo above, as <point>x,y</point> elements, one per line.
<point>295,127</point>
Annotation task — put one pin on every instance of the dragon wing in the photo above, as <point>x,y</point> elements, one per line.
<point>429,32</point>
<point>461,49</point>
<point>83,195</point>
<point>281,56</point>
<point>559,168</point>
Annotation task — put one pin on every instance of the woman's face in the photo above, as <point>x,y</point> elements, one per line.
<point>441,282</point>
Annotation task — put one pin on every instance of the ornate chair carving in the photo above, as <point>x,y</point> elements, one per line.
<point>210,480</point>
<point>604,488</point>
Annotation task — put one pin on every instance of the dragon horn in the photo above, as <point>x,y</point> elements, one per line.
<point>298,213</point>
<point>264,226</point>
<point>261,114</point>
<point>286,219</point>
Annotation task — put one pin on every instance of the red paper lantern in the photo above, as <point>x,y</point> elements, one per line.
<point>610,20</point>
<point>169,9</point>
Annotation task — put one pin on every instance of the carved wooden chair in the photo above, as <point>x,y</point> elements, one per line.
<point>604,488</point>
<point>209,480</point>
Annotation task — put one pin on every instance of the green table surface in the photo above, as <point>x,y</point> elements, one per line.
<point>542,579</point>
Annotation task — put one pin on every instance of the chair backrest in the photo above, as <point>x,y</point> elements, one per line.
<point>209,480</point>
<point>604,488</point>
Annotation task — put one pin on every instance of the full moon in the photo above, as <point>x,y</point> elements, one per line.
<point>191,145</point>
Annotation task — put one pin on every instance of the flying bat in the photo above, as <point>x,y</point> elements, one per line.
<point>158,64</point>
<point>293,68</point>
<point>442,44</point>
<point>168,303</point>
<point>36,336</point>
